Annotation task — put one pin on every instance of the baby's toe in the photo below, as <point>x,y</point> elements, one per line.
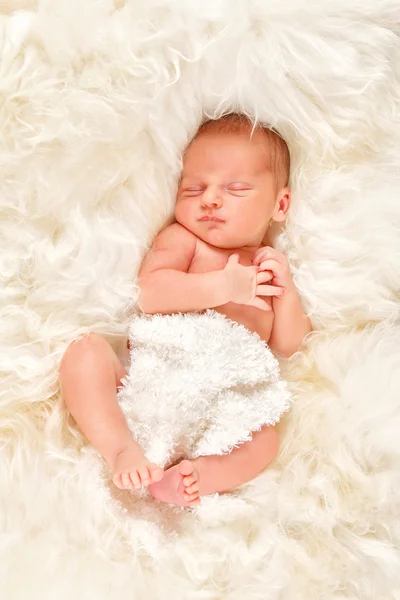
<point>187,481</point>
<point>135,479</point>
<point>194,502</point>
<point>191,497</point>
<point>126,481</point>
<point>156,474</point>
<point>186,468</point>
<point>191,489</point>
<point>117,481</point>
<point>144,475</point>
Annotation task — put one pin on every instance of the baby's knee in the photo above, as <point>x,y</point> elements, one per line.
<point>81,353</point>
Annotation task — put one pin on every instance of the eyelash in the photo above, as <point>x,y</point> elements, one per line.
<point>195,190</point>
<point>241,188</point>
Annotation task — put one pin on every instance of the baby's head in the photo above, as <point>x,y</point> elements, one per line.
<point>234,182</point>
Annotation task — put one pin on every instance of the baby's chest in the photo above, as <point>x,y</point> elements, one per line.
<point>208,258</point>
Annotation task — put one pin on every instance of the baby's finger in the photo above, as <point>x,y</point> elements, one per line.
<point>261,252</point>
<point>270,265</point>
<point>269,290</point>
<point>264,276</point>
<point>267,254</point>
<point>258,257</point>
<point>276,255</point>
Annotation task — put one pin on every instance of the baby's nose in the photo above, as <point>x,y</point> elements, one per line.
<point>211,198</point>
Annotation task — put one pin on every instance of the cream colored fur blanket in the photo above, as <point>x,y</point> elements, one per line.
<point>98,99</point>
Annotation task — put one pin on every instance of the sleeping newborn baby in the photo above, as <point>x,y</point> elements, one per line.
<point>233,187</point>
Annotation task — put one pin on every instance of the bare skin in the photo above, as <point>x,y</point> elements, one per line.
<point>212,257</point>
<point>90,375</point>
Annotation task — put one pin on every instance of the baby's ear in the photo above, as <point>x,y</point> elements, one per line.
<point>282,205</point>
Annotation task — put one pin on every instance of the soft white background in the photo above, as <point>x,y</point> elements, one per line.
<point>97,101</point>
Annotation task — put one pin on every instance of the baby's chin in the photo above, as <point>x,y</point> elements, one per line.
<point>215,235</point>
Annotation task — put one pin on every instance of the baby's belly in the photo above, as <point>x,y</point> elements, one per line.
<point>255,320</point>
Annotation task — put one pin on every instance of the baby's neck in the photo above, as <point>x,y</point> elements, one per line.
<point>253,247</point>
<point>250,249</point>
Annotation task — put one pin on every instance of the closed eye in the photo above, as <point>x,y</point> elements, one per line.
<point>193,190</point>
<point>238,189</point>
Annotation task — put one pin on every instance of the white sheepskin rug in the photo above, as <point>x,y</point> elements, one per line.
<point>98,100</point>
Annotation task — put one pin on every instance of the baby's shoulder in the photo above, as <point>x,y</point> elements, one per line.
<point>176,236</point>
<point>176,229</point>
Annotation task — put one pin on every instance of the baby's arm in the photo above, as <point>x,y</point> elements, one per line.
<point>291,324</point>
<point>166,286</point>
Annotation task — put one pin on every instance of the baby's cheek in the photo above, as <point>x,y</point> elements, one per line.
<point>184,215</point>
<point>250,221</point>
<point>179,211</point>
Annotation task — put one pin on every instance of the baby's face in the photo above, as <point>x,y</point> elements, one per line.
<point>227,196</point>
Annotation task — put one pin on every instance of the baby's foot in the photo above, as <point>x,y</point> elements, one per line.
<point>180,485</point>
<point>132,470</point>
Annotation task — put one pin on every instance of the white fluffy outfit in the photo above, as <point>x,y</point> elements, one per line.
<point>198,384</point>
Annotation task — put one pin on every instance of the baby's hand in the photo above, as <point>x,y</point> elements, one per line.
<point>247,283</point>
<point>271,261</point>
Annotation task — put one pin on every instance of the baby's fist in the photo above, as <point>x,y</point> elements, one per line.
<point>269,259</point>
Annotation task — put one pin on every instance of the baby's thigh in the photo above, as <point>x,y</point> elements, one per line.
<point>90,357</point>
<point>122,353</point>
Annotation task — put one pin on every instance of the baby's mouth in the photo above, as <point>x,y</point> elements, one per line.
<point>211,218</point>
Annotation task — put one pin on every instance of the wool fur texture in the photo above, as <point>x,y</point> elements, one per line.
<point>99,99</point>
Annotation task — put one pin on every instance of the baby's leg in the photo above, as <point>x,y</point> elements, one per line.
<point>90,374</point>
<point>186,481</point>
